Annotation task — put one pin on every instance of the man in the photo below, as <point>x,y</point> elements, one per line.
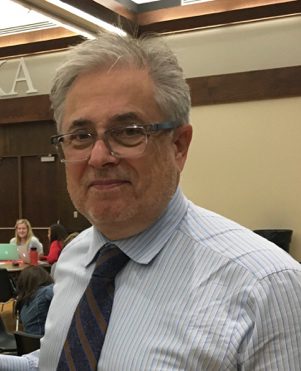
<point>199,292</point>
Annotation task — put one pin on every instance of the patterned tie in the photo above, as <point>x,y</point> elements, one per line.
<point>90,321</point>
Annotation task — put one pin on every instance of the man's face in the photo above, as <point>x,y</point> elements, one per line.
<point>121,196</point>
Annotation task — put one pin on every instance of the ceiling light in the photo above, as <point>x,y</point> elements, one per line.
<point>70,17</point>
<point>88,17</point>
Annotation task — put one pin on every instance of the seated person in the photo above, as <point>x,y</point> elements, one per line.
<point>69,238</point>
<point>56,234</point>
<point>25,239</point>
<point>34,294</point>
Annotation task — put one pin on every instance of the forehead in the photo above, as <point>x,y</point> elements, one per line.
<point>101,96</point>
<point>21,225</point>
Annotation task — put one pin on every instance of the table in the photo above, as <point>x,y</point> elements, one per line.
<point>21,265</point>
<point>15,270</point>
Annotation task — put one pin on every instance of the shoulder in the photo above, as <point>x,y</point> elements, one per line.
<point>219,239</point>
<point>82,239</point>
<point>76,250</point>
<point>46,290</point>
<point>35,241</point>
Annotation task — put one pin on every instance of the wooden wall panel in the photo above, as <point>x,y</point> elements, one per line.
<point>25,109</point>
<point>39,191</point>
<point>9,194</point>
<point>27,138</point>
<point>30,188</point>
<point>246,86</point>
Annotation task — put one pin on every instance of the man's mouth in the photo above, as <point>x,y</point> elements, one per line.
<point>107,183</point>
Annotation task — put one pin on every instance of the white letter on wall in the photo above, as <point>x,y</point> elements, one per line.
<point>22,75</point>
<point>2,92</point>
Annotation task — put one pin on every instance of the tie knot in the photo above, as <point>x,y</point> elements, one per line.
<point>110,261</point>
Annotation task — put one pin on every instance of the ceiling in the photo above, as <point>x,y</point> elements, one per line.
<point>30,26</point>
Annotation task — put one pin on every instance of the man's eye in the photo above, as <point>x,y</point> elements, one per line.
<point>129,136</point>
<point>77,138</point>
<point>128,132</point>
<point>80,136</point>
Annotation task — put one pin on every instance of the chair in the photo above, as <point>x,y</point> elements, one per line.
<point>280,237</point>
<point>7,340</point>
<point>26,343</point>
<point>7,291</point>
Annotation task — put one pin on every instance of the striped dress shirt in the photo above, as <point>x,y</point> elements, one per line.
<point>200,293</point>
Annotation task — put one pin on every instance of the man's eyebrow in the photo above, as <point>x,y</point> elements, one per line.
<point>119,118</point>
<point>125,117</point>
<point>79,123</point>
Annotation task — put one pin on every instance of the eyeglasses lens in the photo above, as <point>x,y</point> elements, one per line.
<point>121,142</point>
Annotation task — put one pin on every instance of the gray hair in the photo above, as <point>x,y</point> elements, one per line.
<point>171,90</point>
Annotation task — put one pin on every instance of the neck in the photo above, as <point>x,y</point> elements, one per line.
<point>121,230</point>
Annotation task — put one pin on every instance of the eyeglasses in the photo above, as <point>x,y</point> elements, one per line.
<point>125,141</point>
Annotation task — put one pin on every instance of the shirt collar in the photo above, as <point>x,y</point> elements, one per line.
<point>143,247</point>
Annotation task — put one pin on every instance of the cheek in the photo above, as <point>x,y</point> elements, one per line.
<point>74,174</point>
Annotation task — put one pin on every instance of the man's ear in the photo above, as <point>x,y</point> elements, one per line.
<point>181,140</point>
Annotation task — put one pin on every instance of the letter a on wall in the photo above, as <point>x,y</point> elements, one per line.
<point>22,75</point>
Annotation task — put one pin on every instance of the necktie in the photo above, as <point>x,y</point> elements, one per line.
<point>87,331</point>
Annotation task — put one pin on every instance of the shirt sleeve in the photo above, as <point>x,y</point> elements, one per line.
<point>274,339</point>
<point>28,362</point>
<point>54,252</point>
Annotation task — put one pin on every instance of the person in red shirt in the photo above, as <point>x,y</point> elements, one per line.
<point>56,234</point>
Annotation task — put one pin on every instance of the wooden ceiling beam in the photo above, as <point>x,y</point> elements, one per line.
<point>170,20</point>
<point>47,45</point>
<point>201,9</point>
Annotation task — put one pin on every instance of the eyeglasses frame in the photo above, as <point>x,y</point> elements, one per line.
<point>150,129</point>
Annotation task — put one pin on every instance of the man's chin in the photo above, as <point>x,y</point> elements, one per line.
<point>103,216</point>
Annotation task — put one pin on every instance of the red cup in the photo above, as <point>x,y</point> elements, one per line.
<point>33,256</point>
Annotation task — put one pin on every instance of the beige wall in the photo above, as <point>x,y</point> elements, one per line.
<point>245,163</point>
<point>245,158</point>
<point>245,47</point>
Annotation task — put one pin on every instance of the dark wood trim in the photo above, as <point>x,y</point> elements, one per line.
<point>246,86</point>
<point>200,9</point>
<point>228,88</point>
<point>34,36</point>
<point>39,46</point>
<point>167,20</point>
<point>25,109</point>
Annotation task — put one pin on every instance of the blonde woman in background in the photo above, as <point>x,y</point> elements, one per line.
<point>25,239</point>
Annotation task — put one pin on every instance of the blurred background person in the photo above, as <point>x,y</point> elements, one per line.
<point>57,234</point>
<point>34,295</point>
<point>69,238</point>
<point>25,239</point>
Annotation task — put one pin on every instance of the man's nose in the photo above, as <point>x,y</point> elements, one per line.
<point>100,154</point>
